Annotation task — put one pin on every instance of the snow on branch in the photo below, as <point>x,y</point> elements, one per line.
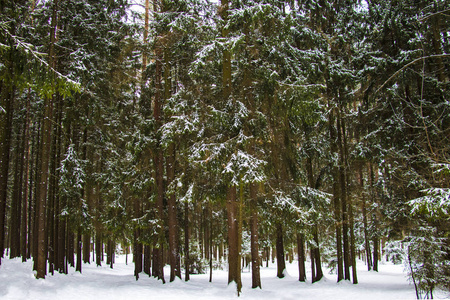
<point>245,168</point>
<point>435,203</point>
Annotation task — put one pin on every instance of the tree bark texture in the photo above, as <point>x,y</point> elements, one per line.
<point>301,257</point>
<point>281,263</point>
<point>5,139</point>
<point>256,276</point>
<point>234,257</point>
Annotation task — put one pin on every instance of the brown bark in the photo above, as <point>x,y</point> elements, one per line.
<point>41,255</point>
<point>186,241</point>
<point>42,191</point>
<point>174,255</point>
<point>147,260</point>
<point>158,264</point>
<point>281,263</point>
<point>7,98</point>
<point>98,249</point>
<point>256,276</point>
<point>343,197</point>
<point>234,257</point>
<point>137,246</point>
<point>16,202</point>
<point>316,256</point>
<point>336,199</point>
<point>365,223</point>
<point>352,245</point>
<point>301,257</point>
<point>24,225</point>
<point>315,249</point>
<point>70,247</point>
<point>210,240</point>
<point>52,213</point>
<point>79,250</point>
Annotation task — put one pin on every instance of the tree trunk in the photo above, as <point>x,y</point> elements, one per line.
<point>234,257</point>
<point>79,250</point>
<point>336,199</point>
<point>24,225</point>
<point>137,253</point>
<point>174,256</point>
<point>98,249</point>
<point>44,162</point>
<point>301,257</point>
<point>374,221</point>
<point>147,260</point>
<point>7,98</point>
<point>313,262</point>
<point>70,247</point>
<point>365,223</point>
<point>352,245</point>
<point>52,213</point>
<point>16,201</point>
<point>343,197</point>
<point>375,253</point>
<point>210,243</point>
<point>316,254</point>
<point>186,241</point>
<point>36,190</point>
<point>256,277</point>
<point>158,264</point>
<point>281,263</point>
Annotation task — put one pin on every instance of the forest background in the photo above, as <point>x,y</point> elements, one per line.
<point>197,132</point>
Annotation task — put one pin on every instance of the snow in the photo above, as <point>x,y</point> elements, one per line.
<point>17,281</point>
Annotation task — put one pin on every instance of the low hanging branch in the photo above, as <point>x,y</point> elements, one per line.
<point>407,65</point>
<point>443,12</point>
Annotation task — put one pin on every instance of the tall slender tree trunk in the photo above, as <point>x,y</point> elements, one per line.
<point>234,257</point>
<point>336,198</point>
<point>98,248</point>
<point>78,267</point>
<point>137,245</point>
<point>24,225</point>
<point>16,201</point>
<point>316,253</point>
<point>186,241</point>
<point>281,263</point>
<point>44,162</point>
<point>87,191</point>
<point>58,246</point>
<point>70,247</point>
<point>343,197</point>
<point>6,101</point>
<point>315,249</point>
<point>52,213</point>
<point>147,260</point>
<point>350,221</point>
<point>352,245</point>
<point>210,238</point>
<point>313,262</point>
<point>174,256</point>
<point>375,239</point>
<point>301,257</point>
<point>42,191</point>
<point>36,191</point>
<point>256,276</point>
<point>365,223</point>
<point>158,264</point>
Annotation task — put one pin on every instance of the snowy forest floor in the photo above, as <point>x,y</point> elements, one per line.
<point>17,281</point>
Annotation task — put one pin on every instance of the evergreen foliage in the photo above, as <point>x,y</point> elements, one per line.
<point>203,132</point>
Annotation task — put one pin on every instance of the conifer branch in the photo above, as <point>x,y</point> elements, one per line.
<point>407,65</point>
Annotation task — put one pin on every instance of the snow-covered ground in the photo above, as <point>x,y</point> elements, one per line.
<point>17,281</point>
